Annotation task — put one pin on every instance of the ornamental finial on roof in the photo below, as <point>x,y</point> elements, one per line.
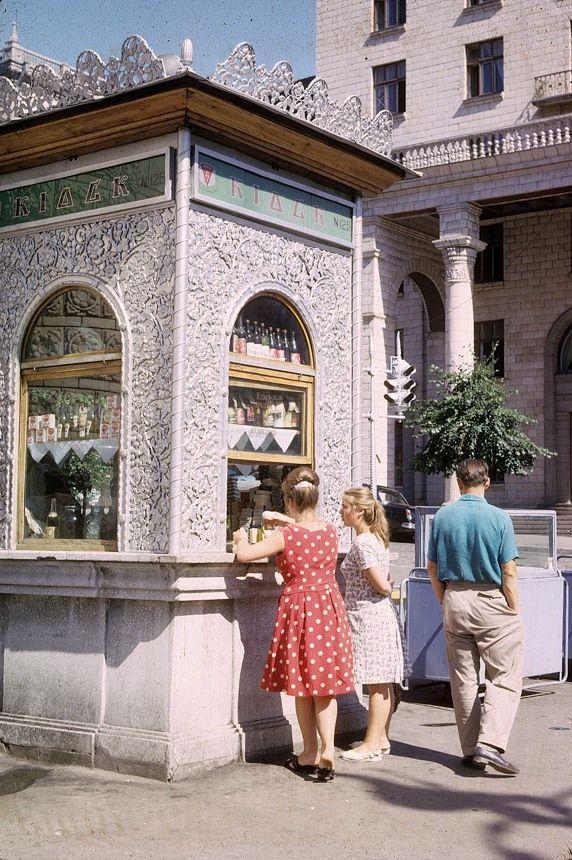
<point>14,38</point>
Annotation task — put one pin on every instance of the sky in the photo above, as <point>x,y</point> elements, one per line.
<point>61,30</point>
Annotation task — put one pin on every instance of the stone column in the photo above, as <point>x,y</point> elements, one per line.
<point>459,243</point>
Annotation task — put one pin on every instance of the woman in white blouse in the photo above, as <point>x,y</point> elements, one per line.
<point>377,635</point>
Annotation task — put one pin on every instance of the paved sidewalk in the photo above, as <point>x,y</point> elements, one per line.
<point>416,804</point>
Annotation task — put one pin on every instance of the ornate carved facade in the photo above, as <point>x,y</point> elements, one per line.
<point>230,263</point>
<point>131,260</point>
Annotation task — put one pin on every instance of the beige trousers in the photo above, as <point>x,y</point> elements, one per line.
<point>479,624</point>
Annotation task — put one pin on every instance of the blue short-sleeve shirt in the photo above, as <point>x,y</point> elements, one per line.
<point>469,541</point>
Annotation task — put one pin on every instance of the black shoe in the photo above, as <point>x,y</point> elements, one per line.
<point>488,756</point>
<point>469,761</point>
<point>294,765</point>
<point>325,774</point>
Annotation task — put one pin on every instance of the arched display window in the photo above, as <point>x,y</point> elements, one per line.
<point>565,354</point>
<point>270,407</point>
<point>70,424</point>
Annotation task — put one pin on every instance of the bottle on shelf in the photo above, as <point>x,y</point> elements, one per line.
<point>257,340</point>
<point>234,339</point>
<point>241,338</point>
<point>250,418</point>
<point>272,343</point>
<point>250,343</point>
<point>264,342</point>
<point>295,356</point>
<point>52,521</point>
<point>280,352</point>
<point>286,343</point>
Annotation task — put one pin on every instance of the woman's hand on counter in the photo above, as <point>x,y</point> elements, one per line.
<point>246,552</point>
<point>271,519</point>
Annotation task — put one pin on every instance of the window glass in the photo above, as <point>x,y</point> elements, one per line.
<point>266,419</point>
<point>489,337</point>
<point>389,87</point>
<point>388,13</point>
<point>267,328</point>
<point>71,422</point>
<point>72,460</point>
<point>485,74</point>
<point>489,265</point>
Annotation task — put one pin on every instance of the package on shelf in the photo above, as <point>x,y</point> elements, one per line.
<point>112,401</point>
<point>45,434</point>
<point>36,422</point>
<point>108,429</point>
<point>82,414</point>
<point>31,435</point>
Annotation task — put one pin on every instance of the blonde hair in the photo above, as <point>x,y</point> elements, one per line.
<point>300,486</point>
<point>362,499</point>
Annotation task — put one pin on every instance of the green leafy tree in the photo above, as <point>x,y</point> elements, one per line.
<point>470,418</point>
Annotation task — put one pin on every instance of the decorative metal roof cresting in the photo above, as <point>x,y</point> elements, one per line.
<point>93,79</point>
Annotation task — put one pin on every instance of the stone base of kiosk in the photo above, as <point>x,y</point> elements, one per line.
<point>147,665</point>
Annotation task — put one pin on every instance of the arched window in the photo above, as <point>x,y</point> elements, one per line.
<point>70,424</point>
<point>565,353</point>
<point>270,407</point>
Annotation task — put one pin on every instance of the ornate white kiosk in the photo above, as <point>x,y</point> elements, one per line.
<point>180,319</point>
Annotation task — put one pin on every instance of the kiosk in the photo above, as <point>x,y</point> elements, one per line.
<point>180,323</point>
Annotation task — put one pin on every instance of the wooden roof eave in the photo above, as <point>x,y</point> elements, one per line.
<point>218,112</point>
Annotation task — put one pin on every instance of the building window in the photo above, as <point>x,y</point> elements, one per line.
<point>70,425</point>
<point>270,408</point>
<point>485,68</point>
<point>489,265</point>
<point>389,87</point>
<point>479,2</point>
<point>489,338</point>
<point>388,13</point>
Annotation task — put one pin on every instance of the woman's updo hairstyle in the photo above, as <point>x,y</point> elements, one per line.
<point>362,499</point>
<point>300,487</point>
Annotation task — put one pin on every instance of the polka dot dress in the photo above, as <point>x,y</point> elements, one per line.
<point>310,653</point>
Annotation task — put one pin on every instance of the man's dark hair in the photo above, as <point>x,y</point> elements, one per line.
<point>472,473</point>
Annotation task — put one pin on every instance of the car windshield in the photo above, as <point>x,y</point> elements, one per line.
<point>385,496</point>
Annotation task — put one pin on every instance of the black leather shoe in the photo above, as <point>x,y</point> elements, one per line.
<point>487,756</point>
<point>469,761</point>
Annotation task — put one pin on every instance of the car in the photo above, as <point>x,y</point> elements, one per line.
<point>400,514</point>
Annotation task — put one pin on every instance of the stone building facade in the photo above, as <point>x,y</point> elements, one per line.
<point>484,115</point>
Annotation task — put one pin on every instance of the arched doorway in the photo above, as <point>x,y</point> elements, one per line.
<point>420,319</point>
<point>558,410</point>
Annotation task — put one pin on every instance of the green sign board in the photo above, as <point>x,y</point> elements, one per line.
<point>260,196</point>
<point>120,185</point>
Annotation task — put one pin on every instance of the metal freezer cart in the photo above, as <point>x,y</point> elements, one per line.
<point>544,602</point>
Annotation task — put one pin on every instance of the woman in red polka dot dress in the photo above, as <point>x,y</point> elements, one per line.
<point>310,654</point>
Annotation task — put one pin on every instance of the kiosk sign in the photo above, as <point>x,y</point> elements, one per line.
<point>256,194</point>
<point>101,189</point>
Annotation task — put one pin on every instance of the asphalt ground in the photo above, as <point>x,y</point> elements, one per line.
<point>416,804</point>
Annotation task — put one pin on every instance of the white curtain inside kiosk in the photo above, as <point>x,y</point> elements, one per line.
<point>242,437</point>
<point>106,448</point>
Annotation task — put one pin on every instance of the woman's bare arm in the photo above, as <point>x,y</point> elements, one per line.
<point>378,579</point>
<point>246,552</point>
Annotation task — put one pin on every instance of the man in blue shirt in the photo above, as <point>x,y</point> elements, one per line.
<point>471,562</point>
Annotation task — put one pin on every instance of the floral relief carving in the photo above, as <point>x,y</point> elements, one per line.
<point>134,256</point>
<point>229,262</point>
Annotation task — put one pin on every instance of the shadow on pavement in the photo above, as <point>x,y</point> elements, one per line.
<point>513,809</point>
<point>20,778</point>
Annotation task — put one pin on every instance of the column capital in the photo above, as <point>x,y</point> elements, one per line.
<point>459,243</point>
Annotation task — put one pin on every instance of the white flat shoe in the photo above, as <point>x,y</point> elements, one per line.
<point>356,755</point>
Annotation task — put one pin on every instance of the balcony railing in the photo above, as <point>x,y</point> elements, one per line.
<point>537,135</point>
<point>553,86</point>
